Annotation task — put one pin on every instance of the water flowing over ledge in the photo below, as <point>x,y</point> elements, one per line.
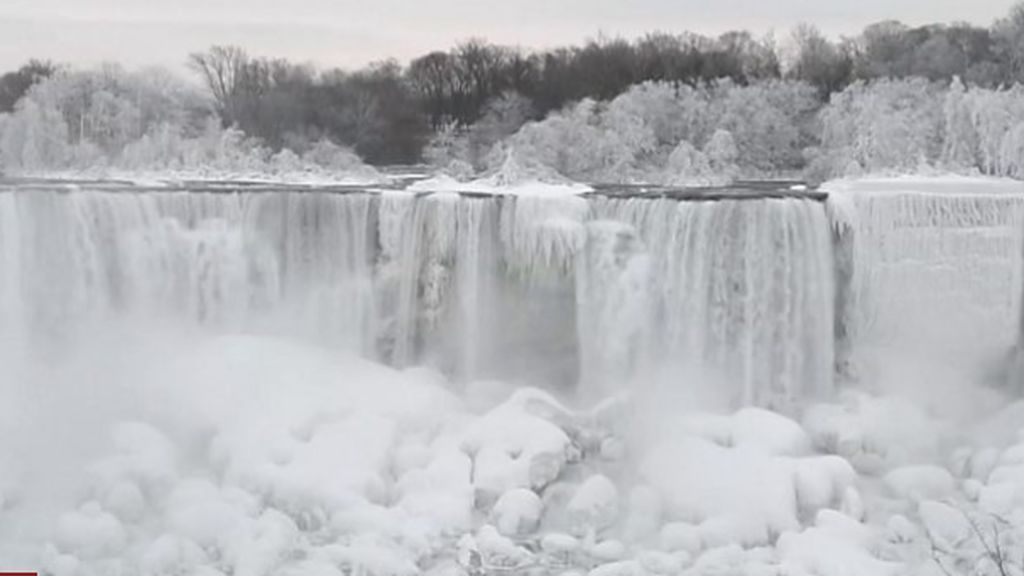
<point>613,289</point>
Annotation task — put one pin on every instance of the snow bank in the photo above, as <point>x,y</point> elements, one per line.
<point>444,183</point>
<point>925,184</point>
<point>834,546</point>
<point>744,478</point>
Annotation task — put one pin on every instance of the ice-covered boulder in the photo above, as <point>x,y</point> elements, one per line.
<point>920,482</point>
<point>91,532</point>
<point>899,529</point>
<point>594,506</point>
<point>499,551</point>
<point>517,512</point>
<point>657,562</point>
<point>143,455</point>
<point>607,551</point>
<point>644,513</point>
<point>125,499</point>
<point>947,526</point>
<point>512,447</point>
<point>620,568</point>
<point>981,463</point>
<point>735,495</point>
<point>370,556</point>
<point>770,432</point>
<point>822,482</point>
<point>680,536</point>
<point>264,546</point>
<point>1001,498</point>
<point>835,546</point>
<point>874,433</point>
<point>441,492</point>
<point>561,547</point>
<point>169,554</point>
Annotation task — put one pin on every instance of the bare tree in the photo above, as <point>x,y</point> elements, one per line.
<point>222,69</point>
<point>820,62</point>
<point>1009,35</point>
<point>14,85</point>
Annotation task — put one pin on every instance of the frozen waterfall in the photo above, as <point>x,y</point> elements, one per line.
<point>754,296</point>
<point>738,292</point>
<point>933,272</point>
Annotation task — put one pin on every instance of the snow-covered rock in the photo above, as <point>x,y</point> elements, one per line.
<point>91,532</point>
<point>736,495</point>
<point>770,432</point>
<point>835,546</point>
<point>822,482</point>
<point>595,505</point>
<point>680,536</point>
<point>500,552</point>
<point>517,512</point>
<point>657,562</point>
<point>920,482</point>
<point>514,448</point>
<point>558,544</point>
<point>608,551</point>
<point>644,513</point>
<point>947,526</point>
<point>623,568</point>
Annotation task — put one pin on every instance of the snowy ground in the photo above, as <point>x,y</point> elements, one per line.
<point>251,456</point>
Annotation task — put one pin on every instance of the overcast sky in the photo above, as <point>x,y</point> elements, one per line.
<point>350,33</point>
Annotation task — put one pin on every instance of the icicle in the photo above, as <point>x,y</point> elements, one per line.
<point>543,234</point>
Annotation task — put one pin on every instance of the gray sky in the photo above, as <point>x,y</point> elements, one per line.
<point>350,33</point>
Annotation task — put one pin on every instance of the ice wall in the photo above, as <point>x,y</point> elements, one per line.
<point>934,272</point>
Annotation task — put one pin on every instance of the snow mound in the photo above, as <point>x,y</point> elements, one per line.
<point>513,178</point>
<point>511,447</point>
<point>740,494</point>
<point>835,546</point>
<point>517,512</point>
<point>920,482</point>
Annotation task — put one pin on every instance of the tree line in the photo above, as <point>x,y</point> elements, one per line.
<point>391,113</point>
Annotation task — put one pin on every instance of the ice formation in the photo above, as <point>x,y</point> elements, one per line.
<point>332,382</point>
<point>933,270</point>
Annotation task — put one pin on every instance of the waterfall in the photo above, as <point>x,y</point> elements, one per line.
<point>615,293</point>
<point>318,252</point>
<point>739,295</point>
<point>476,292</point>
<point>614,307</point>
<point>295,264</point>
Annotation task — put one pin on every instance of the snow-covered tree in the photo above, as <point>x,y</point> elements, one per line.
<point>721,152</point>
<point>769,122</point>
<point>887,125</point>
<point>633,137</point>
<point>688,166</point>
<point>959,146</point>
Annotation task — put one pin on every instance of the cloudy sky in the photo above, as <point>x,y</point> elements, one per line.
<point>353,32</point>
